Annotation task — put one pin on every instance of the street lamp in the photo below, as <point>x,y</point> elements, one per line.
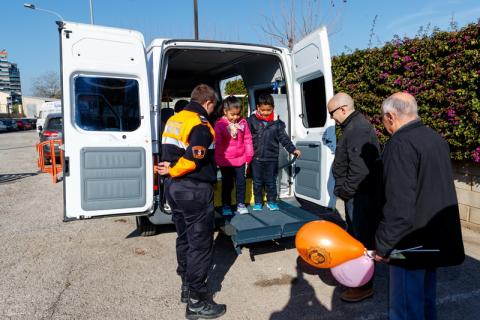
<point>33,7</point>
<point>195,18</point>
<point>91,12</point>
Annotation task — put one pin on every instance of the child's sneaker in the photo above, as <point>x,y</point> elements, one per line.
<point>257,207</point>
<point>241,209</point>
<point>273,206</point>
<point>227,211</point>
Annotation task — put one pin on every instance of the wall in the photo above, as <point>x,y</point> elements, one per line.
<point>467,182</point>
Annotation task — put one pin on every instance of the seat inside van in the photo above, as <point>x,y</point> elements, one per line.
<point>261,73</point>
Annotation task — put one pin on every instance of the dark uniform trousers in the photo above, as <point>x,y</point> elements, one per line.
<point>193,214</point>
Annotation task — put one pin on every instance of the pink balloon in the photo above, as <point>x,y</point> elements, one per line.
<point>354,273</point>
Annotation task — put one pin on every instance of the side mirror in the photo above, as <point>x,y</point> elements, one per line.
<point>40,128</point>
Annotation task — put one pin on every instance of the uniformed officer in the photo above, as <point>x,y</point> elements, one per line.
<point>188,160</point>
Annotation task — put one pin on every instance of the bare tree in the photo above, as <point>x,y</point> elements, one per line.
<point>289,23</point>
<point>47,85</point>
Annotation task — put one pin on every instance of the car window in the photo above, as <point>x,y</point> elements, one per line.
<point>55,124</point>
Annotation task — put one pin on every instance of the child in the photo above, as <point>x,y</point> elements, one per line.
<point>233,149</point>
<point>267,133</point>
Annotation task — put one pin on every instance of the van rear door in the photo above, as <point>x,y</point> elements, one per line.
<point>108,166</point>
<point>315,131</point>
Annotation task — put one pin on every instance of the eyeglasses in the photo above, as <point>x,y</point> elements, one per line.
<point>334,110</point>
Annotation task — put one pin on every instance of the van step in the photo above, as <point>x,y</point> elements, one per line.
<point>266,225</point>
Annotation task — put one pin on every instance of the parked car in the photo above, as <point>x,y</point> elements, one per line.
<point>24,124</point>
<point>3,126</point>
<point>52,130</point>
<point>33,122</point>
<point>11,124</point>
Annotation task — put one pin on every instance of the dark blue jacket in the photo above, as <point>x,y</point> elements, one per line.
<point>266,138</point>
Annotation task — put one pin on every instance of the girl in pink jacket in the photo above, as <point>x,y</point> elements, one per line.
<point>233,150</point>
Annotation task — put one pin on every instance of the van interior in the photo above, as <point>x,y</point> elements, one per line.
<point>260,72</point>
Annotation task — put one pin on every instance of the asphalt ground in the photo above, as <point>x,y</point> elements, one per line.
<point>102,269</point>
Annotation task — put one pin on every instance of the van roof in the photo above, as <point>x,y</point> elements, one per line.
<point>160,42</point>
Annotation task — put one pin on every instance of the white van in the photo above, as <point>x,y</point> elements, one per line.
<point>45,109</point>
<point>112,95</point>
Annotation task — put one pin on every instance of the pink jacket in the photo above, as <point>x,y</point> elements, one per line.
<point>232,152</point>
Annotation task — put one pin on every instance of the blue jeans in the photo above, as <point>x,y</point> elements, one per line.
<point>229,176</point>
<point>412,294</point>
<point>264,173</point>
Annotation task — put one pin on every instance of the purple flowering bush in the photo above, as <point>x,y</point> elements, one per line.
<point>442,71</point>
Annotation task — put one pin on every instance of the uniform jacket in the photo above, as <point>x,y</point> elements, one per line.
<point>187,142</point>
<point>229,151</point>
<point>420,206</point>
<point>355,167</point>
<point>266,138</point>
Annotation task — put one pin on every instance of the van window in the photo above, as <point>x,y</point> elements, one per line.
<point>314,104</point>
<point>234,86</point>
<point>106,104</point>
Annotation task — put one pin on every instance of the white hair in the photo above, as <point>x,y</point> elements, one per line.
<point>402,105</point>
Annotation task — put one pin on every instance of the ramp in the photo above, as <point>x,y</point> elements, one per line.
<point>266,225</point>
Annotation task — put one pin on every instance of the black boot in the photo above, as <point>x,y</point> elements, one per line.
<point>199,307</point>
<point>184,294</point>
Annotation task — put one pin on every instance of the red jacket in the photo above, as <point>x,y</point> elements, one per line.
<point>229,151</point>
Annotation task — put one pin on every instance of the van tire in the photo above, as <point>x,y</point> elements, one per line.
<point>145,227</point>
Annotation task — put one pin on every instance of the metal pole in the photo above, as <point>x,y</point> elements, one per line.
<point>91,12</point>
<point>195,15</point>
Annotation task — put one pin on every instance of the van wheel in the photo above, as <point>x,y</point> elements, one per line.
<point>145,227</point>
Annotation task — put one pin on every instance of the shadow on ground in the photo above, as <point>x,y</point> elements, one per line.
<point>11,177</point>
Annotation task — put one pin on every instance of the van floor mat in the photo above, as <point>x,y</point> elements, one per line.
<point>257,226</point>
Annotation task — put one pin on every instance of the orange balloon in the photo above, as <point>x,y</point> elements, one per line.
<point>323,244</point>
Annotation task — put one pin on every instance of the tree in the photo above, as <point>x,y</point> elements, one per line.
<point>235,87</point>
<point>47,85</point>
<point>292,24</point>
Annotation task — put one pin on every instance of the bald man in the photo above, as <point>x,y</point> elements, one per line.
<point>357,181</point>
<point>420,210</point>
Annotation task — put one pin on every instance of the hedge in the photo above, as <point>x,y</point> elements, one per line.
<point>441,70</point>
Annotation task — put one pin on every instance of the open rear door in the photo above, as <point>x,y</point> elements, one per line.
<point>315,131</point>
<point>106,109</point>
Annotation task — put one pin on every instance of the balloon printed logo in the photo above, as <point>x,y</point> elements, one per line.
<point>318,255</point>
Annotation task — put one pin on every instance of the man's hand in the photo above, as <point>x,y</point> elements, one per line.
<point>162,168</point>
<point>297,153</point>
<point>379,258</point>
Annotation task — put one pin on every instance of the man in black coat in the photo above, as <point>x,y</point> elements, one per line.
<point>357,178</point>
<point>420,210</point>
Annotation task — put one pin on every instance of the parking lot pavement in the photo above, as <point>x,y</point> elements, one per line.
<point>102,269</point>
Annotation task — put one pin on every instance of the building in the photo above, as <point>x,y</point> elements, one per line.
<point>31,105</point>
<point>10,78</point>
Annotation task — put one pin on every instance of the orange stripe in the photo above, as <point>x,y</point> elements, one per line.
<point>182,167</point>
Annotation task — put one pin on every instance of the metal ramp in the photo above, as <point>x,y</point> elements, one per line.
<point>266,225</point>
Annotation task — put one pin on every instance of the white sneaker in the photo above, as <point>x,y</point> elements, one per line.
<point>241,209</point>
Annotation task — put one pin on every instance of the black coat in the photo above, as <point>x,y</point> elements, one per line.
<point>266,138</point>
<point>356,158</point>
<point>421,207</point>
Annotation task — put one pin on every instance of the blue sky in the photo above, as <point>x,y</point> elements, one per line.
<point>31,37</point>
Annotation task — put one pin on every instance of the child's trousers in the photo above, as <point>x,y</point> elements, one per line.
<point>229,176</point>
<point>264,173</point>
